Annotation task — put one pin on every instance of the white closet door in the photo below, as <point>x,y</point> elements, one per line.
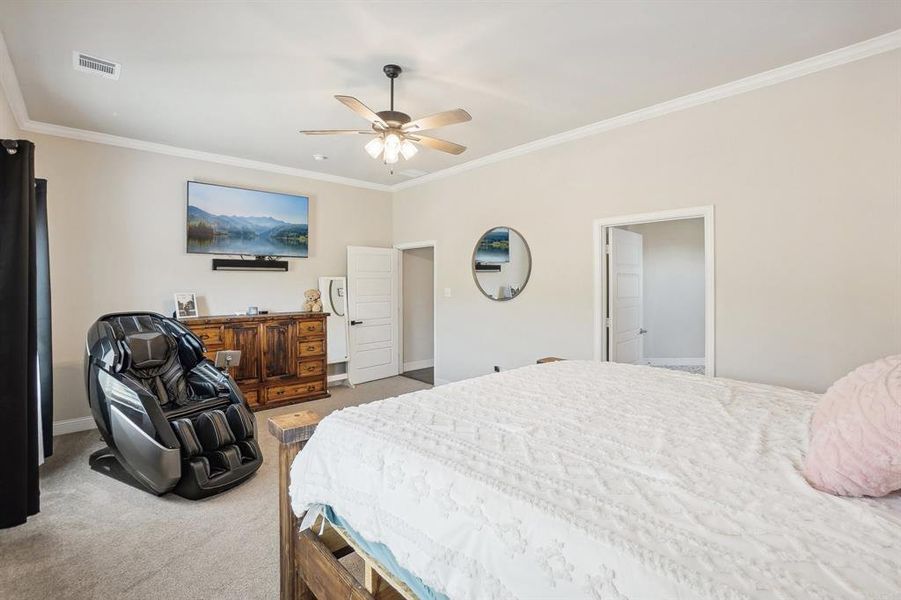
<point>372,306</point>
<point>625,289</point>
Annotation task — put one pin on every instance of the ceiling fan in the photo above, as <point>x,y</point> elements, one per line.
<point>396,133</point>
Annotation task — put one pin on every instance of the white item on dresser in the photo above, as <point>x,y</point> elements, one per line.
<point>333,292</point>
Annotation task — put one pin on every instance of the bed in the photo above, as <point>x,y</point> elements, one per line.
<point>577,479</point>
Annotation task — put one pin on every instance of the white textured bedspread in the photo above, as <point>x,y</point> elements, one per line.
<point>580,479</point>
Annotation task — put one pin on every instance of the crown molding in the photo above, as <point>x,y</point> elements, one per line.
<point>234,161</point>
<point>878,45</point>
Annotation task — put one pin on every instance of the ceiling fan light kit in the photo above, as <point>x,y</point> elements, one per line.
<point>394,130</point>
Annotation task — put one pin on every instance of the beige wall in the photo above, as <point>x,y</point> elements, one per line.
<point>673,288</point>
<point>117,243</point>
<point>419,299</point>
<point>8,127</point>
<point>805,181</point>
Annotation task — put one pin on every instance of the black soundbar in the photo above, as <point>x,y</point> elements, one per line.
<point>487,267</point>
<point>237,264</point>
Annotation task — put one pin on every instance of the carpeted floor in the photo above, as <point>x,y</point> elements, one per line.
<point>99,538</point>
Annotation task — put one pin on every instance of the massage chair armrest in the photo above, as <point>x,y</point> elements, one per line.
<point>207,381</point>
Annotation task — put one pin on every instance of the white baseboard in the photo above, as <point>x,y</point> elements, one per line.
<point>73,425</point>
<point>442,381</point>
<point>676,362</point>
<point>418,364</point>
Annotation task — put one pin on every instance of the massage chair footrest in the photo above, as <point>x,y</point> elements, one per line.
<point>218,451</point>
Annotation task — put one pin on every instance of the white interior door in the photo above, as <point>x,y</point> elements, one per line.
<point>372,308</point>
<point>625,262</point>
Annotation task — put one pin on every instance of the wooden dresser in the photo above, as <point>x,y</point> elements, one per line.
<point>282,354</point>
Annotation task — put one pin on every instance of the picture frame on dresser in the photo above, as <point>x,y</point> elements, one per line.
<point>185,305</point>
<point>283,355</point>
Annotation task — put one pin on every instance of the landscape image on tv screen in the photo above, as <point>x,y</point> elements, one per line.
<point>228,220</point>
<point>494,247</point>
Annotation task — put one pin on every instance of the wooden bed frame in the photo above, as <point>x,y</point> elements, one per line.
<point>308,560</point>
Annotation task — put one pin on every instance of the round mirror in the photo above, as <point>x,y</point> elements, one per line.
<point>501,263</point>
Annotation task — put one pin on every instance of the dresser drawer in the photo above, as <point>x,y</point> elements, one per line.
<point>310,368</point>
<point>310,348</point>
<point>283,392</point>
<point>309,328</point>
<point>212,337</point>
<point>252,397</point>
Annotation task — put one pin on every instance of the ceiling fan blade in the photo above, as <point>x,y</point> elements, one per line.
<point>337,131</point>
<point>448,117</point>
<point>437,144</point>
<point>361,109</point>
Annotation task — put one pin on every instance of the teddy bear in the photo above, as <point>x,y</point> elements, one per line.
<point>312,303</point>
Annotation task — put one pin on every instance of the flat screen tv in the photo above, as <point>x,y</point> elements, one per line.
<point>494,247</point>
<point>230,220</point>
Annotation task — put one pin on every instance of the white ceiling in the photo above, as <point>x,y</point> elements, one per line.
<point>240,79</point>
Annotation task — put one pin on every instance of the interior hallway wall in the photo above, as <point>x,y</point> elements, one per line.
<point>419,302</point>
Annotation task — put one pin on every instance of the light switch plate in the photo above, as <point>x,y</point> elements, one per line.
<point>447,292</point>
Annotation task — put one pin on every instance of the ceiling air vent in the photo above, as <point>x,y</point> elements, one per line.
<point>98,66</point>
<point>413,173</point>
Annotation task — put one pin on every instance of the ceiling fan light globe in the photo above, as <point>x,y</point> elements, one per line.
<point>391,155</point>
<point>392,143</point>
<point>374,147</point>
<point>408,149</point>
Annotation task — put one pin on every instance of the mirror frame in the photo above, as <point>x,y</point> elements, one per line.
<point>472,263</point>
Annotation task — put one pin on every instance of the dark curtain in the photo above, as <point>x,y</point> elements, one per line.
<point>19,427</point>
<point>45,351</point>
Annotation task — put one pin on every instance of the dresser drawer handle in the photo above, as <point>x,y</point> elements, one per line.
<point>311,348</point>
<point>311,388</point>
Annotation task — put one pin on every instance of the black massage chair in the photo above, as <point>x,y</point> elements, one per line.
<point>168,415</point>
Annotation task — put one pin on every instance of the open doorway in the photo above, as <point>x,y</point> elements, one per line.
<point>417,347</point>
<point>654,290</point>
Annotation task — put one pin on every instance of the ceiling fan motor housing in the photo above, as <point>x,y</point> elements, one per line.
<point>394,118</point>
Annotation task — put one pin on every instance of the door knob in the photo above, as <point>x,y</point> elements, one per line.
<point>642,331</point>
<point>355,322</point>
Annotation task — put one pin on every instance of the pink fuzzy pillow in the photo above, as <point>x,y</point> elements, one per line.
<point>855,433</point>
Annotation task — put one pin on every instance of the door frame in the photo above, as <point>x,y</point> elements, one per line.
<point>400,295</point>
<point>601,308</point>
